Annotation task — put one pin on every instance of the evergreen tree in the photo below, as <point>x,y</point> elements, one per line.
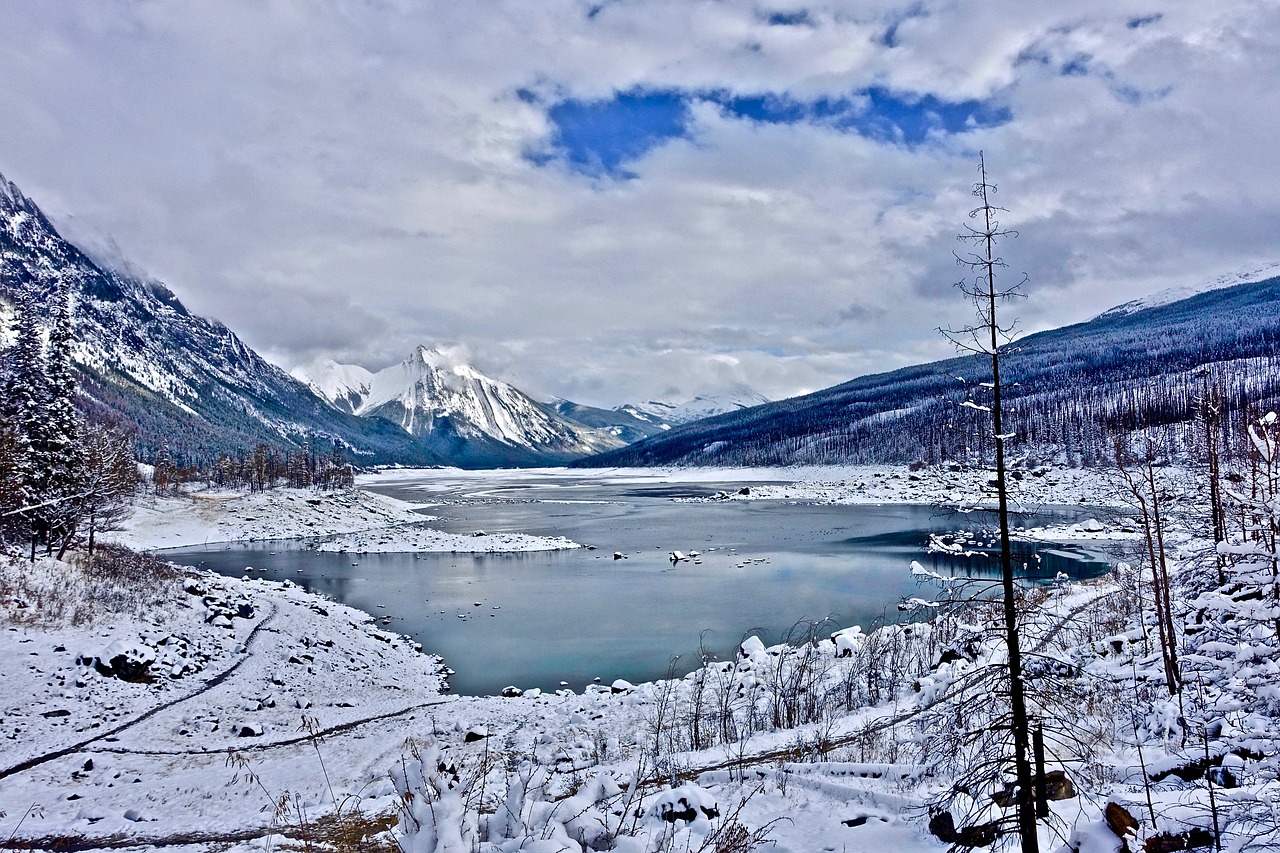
<point>26,402</point>
<point>58,453</point>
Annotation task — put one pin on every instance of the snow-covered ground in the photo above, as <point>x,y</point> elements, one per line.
<point>266,710</point>
<point>340,520</point>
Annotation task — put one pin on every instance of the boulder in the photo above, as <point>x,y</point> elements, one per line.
<point>125,661</point>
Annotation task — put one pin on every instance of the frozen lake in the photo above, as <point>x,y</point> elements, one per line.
<point>539,619</point>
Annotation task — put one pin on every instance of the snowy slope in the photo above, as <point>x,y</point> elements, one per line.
<point>457,411</point>
<point>701,406</point>
<point>1176,294</point>
<point>345,386</point>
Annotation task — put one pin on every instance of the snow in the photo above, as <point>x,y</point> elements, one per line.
<point>701,406</point>
<point>244,671</point>
<point>341,520</point>
<point>343,385</point>
<point>1168,296</point>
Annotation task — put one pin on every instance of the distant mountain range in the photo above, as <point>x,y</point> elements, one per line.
<point>703,406</point>
<point>470,418</point>
<point>457,412</point>
<point>190,384</point>
<point>1068,392</point>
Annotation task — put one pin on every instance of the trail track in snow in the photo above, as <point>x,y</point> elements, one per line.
<point>163,706</point>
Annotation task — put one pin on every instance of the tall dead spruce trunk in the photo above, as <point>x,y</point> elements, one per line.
<point>988,337</point>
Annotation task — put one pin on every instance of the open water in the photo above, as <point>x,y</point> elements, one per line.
<point>546,618</point>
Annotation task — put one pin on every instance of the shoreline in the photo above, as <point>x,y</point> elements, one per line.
<point>300,655</point>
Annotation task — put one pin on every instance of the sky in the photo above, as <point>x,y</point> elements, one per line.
<point>623,200</point>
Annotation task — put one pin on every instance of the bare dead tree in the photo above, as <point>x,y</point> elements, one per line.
<point>991,338</point>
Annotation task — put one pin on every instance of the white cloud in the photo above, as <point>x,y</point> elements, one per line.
<point>349,178</point>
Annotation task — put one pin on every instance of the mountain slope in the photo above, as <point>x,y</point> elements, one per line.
<point>344,386</point>
<point>1075,387</point>
<point>627,425</point>
<point>1261,272</point>
<point>184,381</point>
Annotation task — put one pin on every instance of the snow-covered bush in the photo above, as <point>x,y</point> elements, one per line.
<point>439,815</point>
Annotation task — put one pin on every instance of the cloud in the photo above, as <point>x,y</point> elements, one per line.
<point>778,192</point>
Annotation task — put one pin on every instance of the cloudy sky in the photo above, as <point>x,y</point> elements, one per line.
<point>611,200</point>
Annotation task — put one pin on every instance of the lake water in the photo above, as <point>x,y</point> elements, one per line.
<point>539,619</point>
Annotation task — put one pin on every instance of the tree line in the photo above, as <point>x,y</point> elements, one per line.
<point>62,475</point>
<point>264,468</point>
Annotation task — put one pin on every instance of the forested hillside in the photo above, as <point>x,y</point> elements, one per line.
<point>173,378</point>
<point>1067,392</point>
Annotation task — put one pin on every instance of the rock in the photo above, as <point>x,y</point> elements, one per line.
<point>621,686</point>
<point>745,490</point>
<point>125,661</point>
<point>512,692</point>
<point>980,835</point>
<point>88,765</point>
<point>617,555</point>
<point>1168,842</point>
<point>134,815</point>
<point>1058,786</point>
<point>475,733</point>
<point>249,730</point>
<point>1119,821</point>
<point>1092,525</point>
<point>942,826</point>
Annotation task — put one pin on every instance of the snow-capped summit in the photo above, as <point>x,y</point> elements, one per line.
<point>701,406</point>
<point>455,409</point>
<point>1186,291</point>
<point>344,385</point>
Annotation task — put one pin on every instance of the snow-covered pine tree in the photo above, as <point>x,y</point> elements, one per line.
<point>14,457</point>
<point>26,402</point>
<point>59,454</point>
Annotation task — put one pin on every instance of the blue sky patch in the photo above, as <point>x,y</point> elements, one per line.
<point>790,19</point>
<point>601,137</point>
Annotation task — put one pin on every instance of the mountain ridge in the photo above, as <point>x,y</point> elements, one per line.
<point>1070,390</point>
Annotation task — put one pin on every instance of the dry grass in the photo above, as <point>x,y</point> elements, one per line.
<point>116,582</point>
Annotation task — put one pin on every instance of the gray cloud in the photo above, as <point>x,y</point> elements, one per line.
<point>350,178</point>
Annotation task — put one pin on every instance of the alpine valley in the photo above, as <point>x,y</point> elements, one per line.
<point>190,385</point>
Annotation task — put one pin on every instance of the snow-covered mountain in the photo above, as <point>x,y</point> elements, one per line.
<point>345,386</point>
<point>1072,391</point>
<point>702,406</point>
<point>1176,294</point>
<point>457,411</point>
<point>184,381</point>
<point>628,426</point>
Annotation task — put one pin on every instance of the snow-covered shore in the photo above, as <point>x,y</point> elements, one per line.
<point>341,520</point>
<point>242,673</point>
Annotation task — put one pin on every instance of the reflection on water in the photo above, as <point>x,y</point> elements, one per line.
<point>543,618</point>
